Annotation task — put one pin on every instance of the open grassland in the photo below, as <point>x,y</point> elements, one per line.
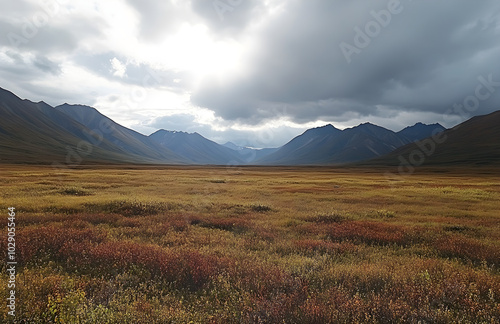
<point>253,245</point>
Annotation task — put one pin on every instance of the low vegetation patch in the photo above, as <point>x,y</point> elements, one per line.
<point>328,218</point>
<point>232,224</point>
<point>260,208</point>
<point>368,232</point>
<point>132,208</point>
<point>217,180</point>
<point>467,249</point>
<point>75,191</point>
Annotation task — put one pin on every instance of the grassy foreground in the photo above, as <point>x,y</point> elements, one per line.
<point>252,245</point>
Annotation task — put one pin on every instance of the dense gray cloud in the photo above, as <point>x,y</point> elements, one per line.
<point>427,57</point>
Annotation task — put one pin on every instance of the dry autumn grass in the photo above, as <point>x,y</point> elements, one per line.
<point>253,245</point>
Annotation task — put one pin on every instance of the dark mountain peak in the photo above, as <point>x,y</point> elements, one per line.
<point>420,131</point>
<point>325,127</point>
<point>164,132</point>
<point>322,130</point>
<point>43,103</point>
<point>76,106</point>
<point>368,128</point>
<point>367,125</point>
<point>83,114</point>
<point>422,125</point>
<point>158,132</point>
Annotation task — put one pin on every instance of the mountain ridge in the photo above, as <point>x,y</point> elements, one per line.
<point>126,139</point>
<point>35,132</point>
<point>29,135</point>
<point>329,145</point>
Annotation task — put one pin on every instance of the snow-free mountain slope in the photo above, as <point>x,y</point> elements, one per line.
<point>128,140</point>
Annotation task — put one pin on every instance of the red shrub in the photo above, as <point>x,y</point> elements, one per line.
<point>128,222</point>
<point>189,269</point>
<point>462,247</point>
<point>264,280</point>
<point>367,232</point>
<point>98,218</point>
<point>48,240</point>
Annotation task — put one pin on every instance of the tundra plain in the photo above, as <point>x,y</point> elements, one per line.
<point>170,244</point>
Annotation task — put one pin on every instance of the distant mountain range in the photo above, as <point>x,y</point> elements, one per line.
<point>196,148</point>
<point>473,142</point>
<point>329,145</point>
<point>69,135</point>
<point>249,154</point>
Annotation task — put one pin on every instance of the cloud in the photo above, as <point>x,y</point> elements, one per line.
<point>40,29</point>
<point>21,66</point>
<point>428,57</point>
<point>157,18</point>
<point>46,65</point>
<point>127,71</point>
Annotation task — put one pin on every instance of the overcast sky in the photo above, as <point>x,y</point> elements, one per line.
<point>256,72</point>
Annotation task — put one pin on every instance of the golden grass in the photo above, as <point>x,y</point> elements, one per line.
<point>253,245</point>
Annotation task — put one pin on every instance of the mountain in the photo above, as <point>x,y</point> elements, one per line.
<point>475,141</point>
<point>196,148</point>
<point>33,133</point>
<point>127,140</point>
<point>329,145</point>
<point>306,148</point>
<point>420,131</point>
<point>249,154</point>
